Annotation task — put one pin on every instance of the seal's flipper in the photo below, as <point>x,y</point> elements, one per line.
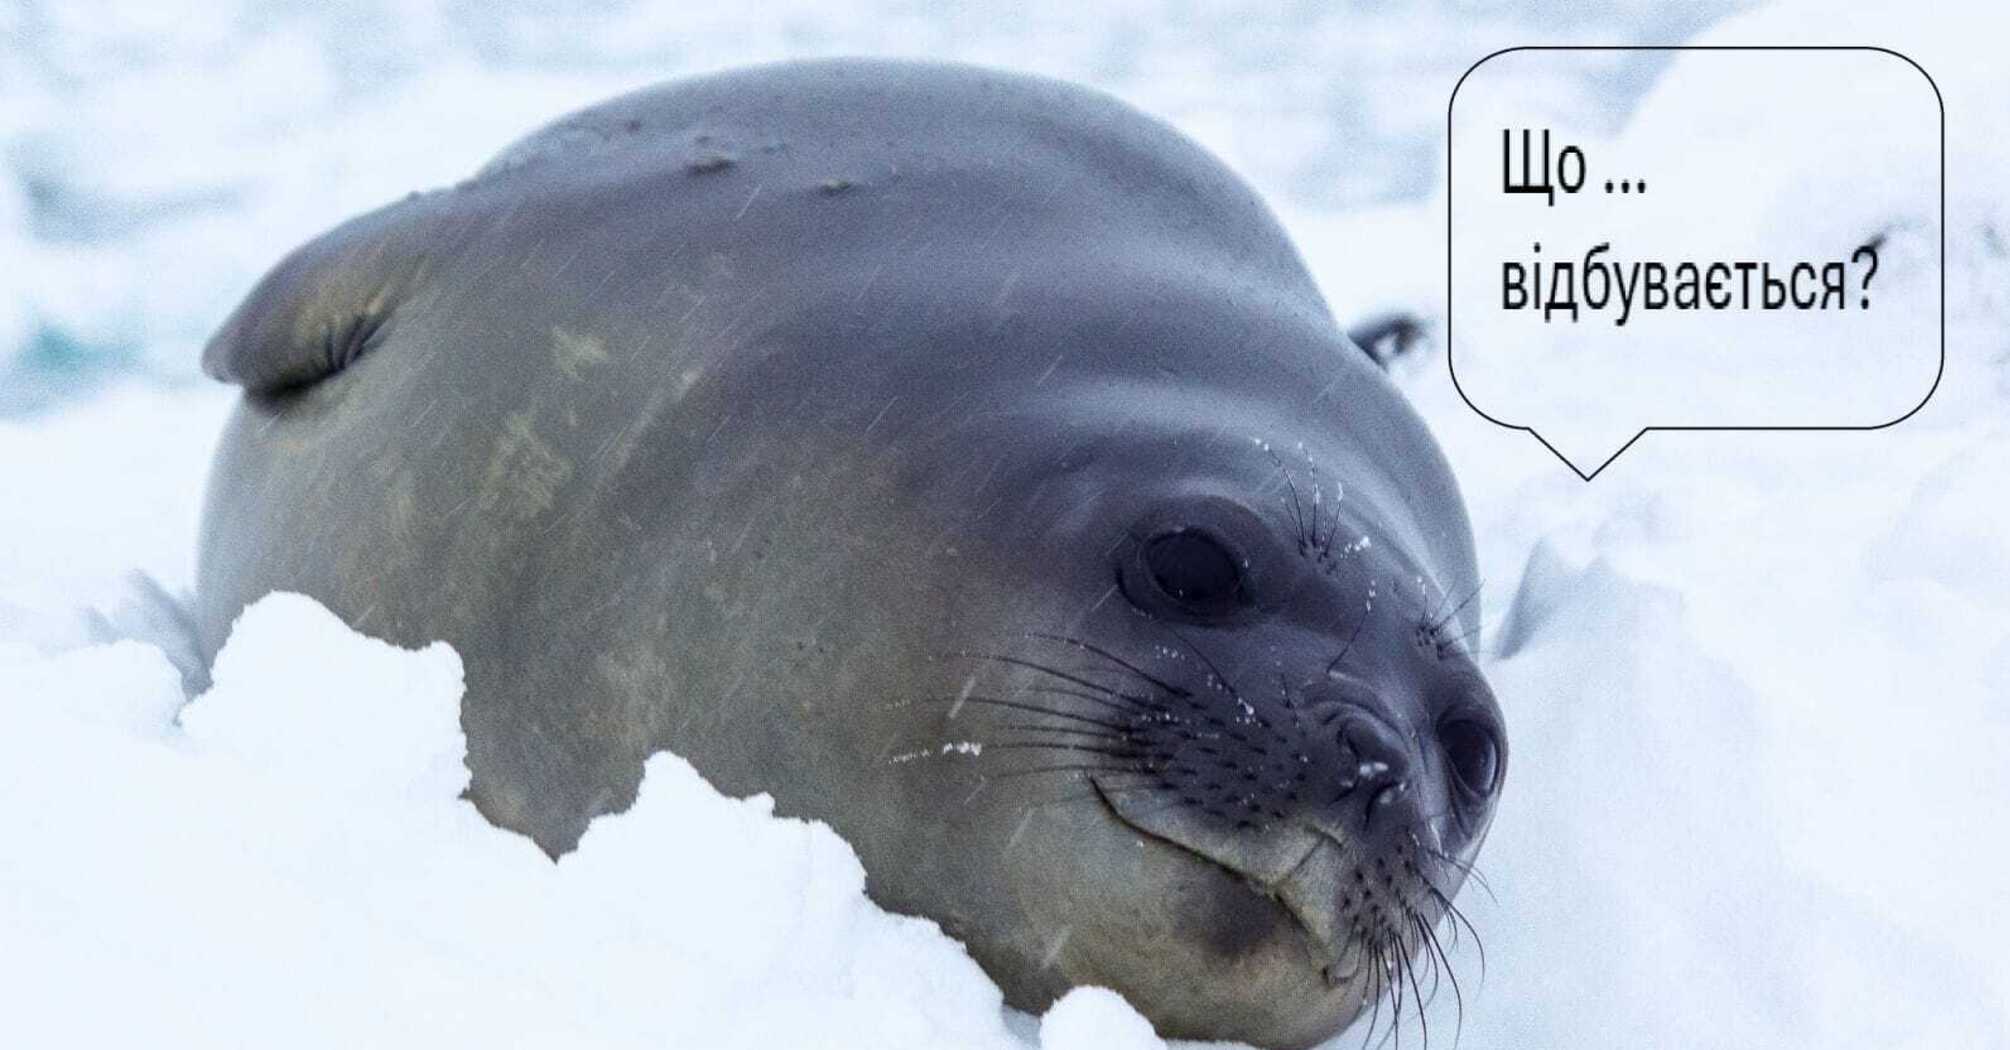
<point>1386,337</point>
<point>148,613</point>
<point>331,301</point>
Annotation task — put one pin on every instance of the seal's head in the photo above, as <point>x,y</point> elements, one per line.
<point>1150,604</point>
<point>1244,709</point>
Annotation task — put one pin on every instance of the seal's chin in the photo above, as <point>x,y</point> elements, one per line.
<point>1363,917</point>
<point>1370,914</point>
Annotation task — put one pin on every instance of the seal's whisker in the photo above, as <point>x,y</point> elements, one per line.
<point>1094,734</point>
<point>1297,508</point>
<point>1426,956</point>
<point>1016,706</point>
<point>1392,958</point>
<point>1058,745</point>
<point>1209,663</point>
<point>1384,983</point>
<point>1448,642</point>
<point>1112,657</point>
<point>1374,993</point>
<point>1431,614</point>
<point>1037,770</point>
<point>1334,664</point>
<point>1459,919</point>
<point>1405,936</point>
<point>1326,545</point>
<point>1030,665</point>
<point>1451,977</point>
<point>1425,953</point>
<point>1465,868</point>
<point>1465,871</point>
<point>1409,967</point>
<point>1391,990</point>
<point>1315,513</point>
<point>1428,936</point>
<point>1055,690</point>
<point>1440,622</point>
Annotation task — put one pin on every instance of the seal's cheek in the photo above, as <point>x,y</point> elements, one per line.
<point>1235,922</point>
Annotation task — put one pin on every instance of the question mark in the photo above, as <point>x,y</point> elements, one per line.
<point>1872,272</point>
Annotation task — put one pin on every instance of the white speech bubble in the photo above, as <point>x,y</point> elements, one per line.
<point>1819,168</point>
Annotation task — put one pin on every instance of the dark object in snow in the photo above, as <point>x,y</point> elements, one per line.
<point>1387,337</point>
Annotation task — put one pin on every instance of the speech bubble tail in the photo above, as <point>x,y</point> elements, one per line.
<point>1586,452</point>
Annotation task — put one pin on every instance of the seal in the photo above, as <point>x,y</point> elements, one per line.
<point>965,459</point>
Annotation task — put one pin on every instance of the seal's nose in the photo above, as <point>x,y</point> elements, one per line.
<point>1382,767</point>
<point>1375,774</point>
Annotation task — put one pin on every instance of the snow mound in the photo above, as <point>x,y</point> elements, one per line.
<point>287,859</point>
<point>1096,1019</point>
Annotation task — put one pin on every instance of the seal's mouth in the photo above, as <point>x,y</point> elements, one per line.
<point>1363,920</point>
<point>1307,813</point>
<point>1258,871</point>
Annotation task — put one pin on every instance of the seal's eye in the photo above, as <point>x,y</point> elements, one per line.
<point>1202,560</point>
<point>1194,569</point>
<point>1474,756</point>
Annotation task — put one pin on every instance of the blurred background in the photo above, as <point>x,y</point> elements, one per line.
<point>155,158</point>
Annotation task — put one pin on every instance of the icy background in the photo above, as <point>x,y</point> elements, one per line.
<point>1758,686</point>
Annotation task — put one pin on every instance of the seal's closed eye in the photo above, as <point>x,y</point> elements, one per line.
<point>327,304</point>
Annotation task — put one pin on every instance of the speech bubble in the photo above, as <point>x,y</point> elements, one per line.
<point>1760,247</point>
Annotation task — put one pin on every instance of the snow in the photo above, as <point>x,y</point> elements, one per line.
<point>1095,1018</point>
<point>1754,683</point>
<point>291,857</point>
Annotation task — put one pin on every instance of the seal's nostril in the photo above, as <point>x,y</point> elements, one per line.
<point>1375,752</point>
<point>1390,795</point>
